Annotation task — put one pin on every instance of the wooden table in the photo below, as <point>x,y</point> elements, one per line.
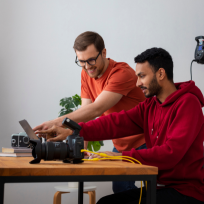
<point>18,170</point>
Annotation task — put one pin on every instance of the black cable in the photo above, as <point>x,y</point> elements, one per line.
<point>191,68</point>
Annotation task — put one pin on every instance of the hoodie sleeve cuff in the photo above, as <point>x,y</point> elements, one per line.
<point>126,153</point>
<point>131,154</point>
<point>82,132</point>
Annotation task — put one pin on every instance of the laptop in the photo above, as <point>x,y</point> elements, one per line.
<point>29,131</point>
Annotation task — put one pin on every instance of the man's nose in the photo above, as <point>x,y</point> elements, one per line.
<point>138,83</point>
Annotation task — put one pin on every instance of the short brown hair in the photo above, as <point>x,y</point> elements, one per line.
<point>88,38</point>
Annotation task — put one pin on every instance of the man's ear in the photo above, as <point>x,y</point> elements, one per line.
<point>103,53</point>
<point>161,73</point>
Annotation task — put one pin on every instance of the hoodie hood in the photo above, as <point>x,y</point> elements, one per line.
<point>183,88</point>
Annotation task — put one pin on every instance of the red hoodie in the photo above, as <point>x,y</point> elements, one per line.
<point>174,134</point>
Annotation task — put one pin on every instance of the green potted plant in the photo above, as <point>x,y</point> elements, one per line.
<point>70,104</point>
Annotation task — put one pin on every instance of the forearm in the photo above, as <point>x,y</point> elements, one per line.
<point>83,114</point>
<point>90,110</point>
<point>112,126</point>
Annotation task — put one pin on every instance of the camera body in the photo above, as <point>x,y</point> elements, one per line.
<point>19,140</point>
<point>75,143</point>
<point>69,152</point>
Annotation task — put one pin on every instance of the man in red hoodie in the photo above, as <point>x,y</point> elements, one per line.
<point>173,124</point>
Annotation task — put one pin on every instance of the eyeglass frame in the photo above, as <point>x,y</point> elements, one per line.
<point>86,61</point>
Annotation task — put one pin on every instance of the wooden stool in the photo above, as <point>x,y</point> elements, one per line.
<point>90,190</point>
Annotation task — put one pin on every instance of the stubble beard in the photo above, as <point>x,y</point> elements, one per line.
<point>154,88</point>
<point>97,71</point>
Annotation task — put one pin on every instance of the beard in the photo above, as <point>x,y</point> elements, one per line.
<point>154,88</point>
<point>97,70</point>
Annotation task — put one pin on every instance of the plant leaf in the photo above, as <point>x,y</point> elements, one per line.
<point>76,100</point>
<point>65,101</point>
<point>101,143</point>
<point>64,112</point>
<point>96,146</point>
<point>89,147</point>
<point>70,105</point>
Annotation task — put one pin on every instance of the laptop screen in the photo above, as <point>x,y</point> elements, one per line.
<point>29,131</point>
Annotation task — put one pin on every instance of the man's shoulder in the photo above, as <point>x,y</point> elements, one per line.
<point>186,103</point>
<point>188,97</point>
<point>119,65</point>
<point>121,68</point>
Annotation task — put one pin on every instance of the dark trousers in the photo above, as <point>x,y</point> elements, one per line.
<point>163,196</point>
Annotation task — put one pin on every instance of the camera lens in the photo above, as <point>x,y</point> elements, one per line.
<point>57,150</point>
<point>13,141</point>
<point>52,151</point>
<point>25,140</point>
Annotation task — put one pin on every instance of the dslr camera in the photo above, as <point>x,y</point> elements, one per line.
<point>68,152</point>
<point>19,140</point>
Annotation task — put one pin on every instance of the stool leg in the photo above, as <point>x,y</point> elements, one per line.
<point>92,197</point>
<point>57,197</point>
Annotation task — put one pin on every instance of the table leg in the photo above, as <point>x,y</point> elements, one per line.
<point>80,192</point>
<point>1,191</point>
<point>151,190</point>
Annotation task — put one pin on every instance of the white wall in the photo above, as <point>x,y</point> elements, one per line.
<point>37,59</point>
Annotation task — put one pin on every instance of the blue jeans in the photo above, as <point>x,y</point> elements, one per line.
<point>119,186</point>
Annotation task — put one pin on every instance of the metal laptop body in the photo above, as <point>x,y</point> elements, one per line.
<point>29,131</point>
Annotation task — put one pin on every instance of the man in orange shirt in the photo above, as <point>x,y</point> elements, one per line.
<point>106,87</point>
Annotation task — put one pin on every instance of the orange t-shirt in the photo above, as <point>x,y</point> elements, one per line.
<point>120,78</point>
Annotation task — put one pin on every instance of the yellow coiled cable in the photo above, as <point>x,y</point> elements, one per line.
<point>107,157</point>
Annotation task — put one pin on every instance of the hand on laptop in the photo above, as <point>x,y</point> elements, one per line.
<point>55,133</point>
<point>48,124</point>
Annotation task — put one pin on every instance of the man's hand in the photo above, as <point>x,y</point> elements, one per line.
<point>107,152</point>
<point>48,124</point>
<point>59,132</point>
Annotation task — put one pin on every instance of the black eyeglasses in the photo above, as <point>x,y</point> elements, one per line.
<point>91,61</point>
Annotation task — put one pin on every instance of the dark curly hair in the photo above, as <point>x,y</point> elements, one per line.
<point>157,58</point>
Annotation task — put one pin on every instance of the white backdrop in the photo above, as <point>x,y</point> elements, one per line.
<point>37,59</point>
